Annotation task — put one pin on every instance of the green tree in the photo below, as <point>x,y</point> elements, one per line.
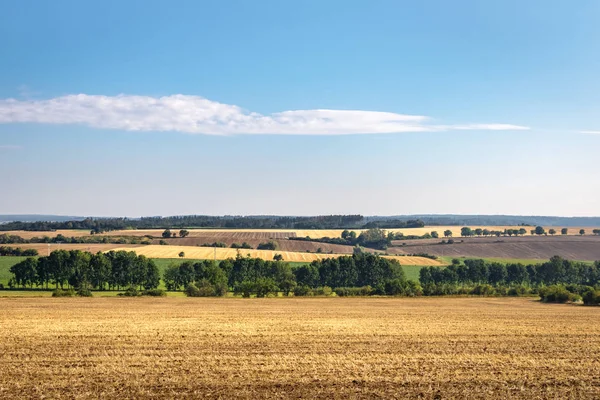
<point>448,233</point>
<point>435,235</point>
<point>466,231</point>
<point>181,254</point>
<point>564,231</point>
<point>166,234</point>
<point>582,232</point>
<point>183,233</point>
<point>497,273</point>
<point>539,230</point>
<point>552,232</point>
<point>278,257</point>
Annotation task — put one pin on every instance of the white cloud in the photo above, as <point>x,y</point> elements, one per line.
<point>197,115</point>
<point>590,132</point>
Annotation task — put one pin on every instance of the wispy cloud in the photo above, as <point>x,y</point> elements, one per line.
<point>197,115</point>
<point>9,147</point>
<point>590,132</point>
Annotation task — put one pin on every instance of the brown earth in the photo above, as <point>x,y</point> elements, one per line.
<point>543,247</point>
<point>320,348</point>
<point>283,245</point>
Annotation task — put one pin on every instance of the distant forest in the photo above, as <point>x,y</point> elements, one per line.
<point>98,225</point>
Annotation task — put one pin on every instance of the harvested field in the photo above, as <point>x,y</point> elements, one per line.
<point>448,348</point>
<point>154,251</point>
<point>585,248</point>
<point>283,245</point>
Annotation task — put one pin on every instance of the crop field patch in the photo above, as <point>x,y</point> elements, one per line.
<point>538,248</point>
<point>165,251</point>
<point>298,348</point>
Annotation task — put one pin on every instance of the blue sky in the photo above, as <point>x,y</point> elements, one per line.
<point>310,107</point>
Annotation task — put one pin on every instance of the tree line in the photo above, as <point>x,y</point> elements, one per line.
<point>80,269</point>
<point>100,225</point>
<point>475,271</point>
<point>60,238</point>
<point>17,251</point>
<point>246,276</point>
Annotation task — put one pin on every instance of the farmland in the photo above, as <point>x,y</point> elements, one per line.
<point>539,248</point>
<point>307,348</point>
<point>245,234</point>
<point>157,251</point>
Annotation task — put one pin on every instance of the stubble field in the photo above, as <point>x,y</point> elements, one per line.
<point>298,348</point>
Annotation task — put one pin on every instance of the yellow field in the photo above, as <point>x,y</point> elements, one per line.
<point>335,348</point>
<point>43,248</point>
<point>158,251</point>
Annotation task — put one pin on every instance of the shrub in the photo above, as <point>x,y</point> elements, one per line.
<point>518,290</point>
<point>84,292</point>
<point>483,290</point>
<point>63,293</point>
<point>154,293</point>
<point>323,291</point>
<point>591,297</point>
<point>353,291</point>
<point>557,294</point>
<point>413,288</point>
<point>302,291</point>
<point>270,245</point>
<point>130,292</point>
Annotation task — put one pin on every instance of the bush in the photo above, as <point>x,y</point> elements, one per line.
<point>591,297</point>
<point>202,289</point>
<point>557,294</point>
<point>353,291</point>
<point>518,290</point>
<point>302,291</point>
<point>483,290</point>
<point>323,291</point>
<point>154,293</point>
<point>84,292</point>
<point>270,245</point>
<point>130,292</point>
<point>63,293</point>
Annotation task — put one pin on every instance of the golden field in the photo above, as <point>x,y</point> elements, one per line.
<point>431,348</point>
<point>220,253</point>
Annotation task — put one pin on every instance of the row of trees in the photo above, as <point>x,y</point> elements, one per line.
<point>79,269</point>
<point>17,251</point>
<point>99,225</point>
<point>15,239</point>
<point>556,270</point>
<point>253,275</point>
<point>539,231</point>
